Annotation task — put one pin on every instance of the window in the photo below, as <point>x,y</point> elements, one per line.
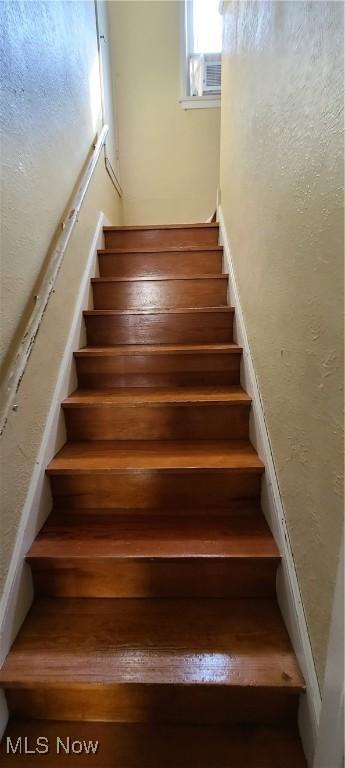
<point>202,46</point>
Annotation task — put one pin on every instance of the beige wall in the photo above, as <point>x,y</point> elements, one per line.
<point>169,157</point>
<point>281,188</point>
<point>50,111</point>
<point>50,76</point>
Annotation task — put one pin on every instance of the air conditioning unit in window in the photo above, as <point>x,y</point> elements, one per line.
<point>205,74</point>
<point>212,74</point>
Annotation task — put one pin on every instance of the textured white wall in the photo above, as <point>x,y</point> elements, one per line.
<point>282,197</point>
<point>50,112</point>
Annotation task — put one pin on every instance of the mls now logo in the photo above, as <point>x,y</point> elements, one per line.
<point>67,746</point>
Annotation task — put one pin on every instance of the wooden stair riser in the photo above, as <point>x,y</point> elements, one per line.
<point>141,745</point>
<point>130,294</point>
<point>177,237</point>
<point>201,327</point>
<point>158,422</point>
<point>153,489</point>
<point>202,704</point>
<point>147,370</point>
<point>163,263</point>
<point>247,508</point>
<point>197,577</point>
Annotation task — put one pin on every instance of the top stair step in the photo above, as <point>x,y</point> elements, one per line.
<point>172,235</point>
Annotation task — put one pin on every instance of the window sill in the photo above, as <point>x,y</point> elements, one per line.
<point>200,102</point>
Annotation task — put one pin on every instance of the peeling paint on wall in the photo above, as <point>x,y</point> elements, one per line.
<point>48,55</point>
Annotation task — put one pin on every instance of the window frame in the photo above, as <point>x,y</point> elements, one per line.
<point>209,101</point>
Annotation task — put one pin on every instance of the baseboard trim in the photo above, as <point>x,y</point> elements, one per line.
<point>18,590</point>
<point>289,595</point>
<point>329,751</point>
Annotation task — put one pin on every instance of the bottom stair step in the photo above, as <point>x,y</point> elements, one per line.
<point>228,642</point>
<point>124,745</point>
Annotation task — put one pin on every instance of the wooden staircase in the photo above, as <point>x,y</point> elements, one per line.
<point>155,627</point>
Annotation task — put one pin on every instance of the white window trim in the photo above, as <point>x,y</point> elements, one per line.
<point>191,102</point>
<point>200,102</point>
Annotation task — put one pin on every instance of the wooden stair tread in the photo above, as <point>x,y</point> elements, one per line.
<point>157,396</point>
<point>148,227</point>
<point>183,249</point>
<point>158,349</point>
<point>159,278</point>
<point>236,643</point>
<point>158,311</point>
<point>162,235</point>
<point>137,745</point>
<point>122,455</point>
<point>137,536</point>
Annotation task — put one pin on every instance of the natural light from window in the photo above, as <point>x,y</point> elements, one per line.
<point>207,27</point>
